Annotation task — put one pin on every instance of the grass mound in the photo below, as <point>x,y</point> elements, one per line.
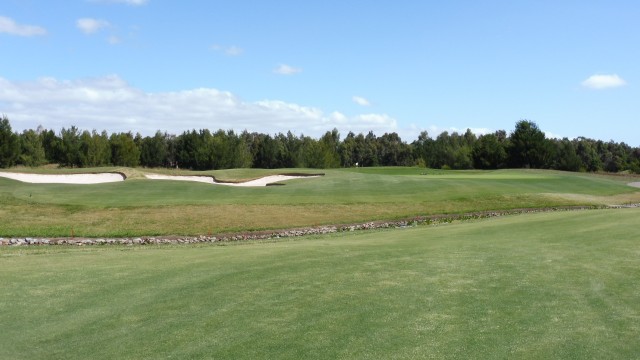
<point>141,207</point>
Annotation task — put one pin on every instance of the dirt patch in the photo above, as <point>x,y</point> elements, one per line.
<point>634,184</point>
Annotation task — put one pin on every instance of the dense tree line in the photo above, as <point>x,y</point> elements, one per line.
<point>525,147</point>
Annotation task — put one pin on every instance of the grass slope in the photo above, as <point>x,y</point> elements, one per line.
<point>139,207</point>
<point>538,286</point>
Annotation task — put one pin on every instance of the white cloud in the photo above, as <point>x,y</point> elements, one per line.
<point>231,50</point>
<point>90,26</point>
<point>476,131</point>
<point>114,40</point>
<point>361,101</point>
<point>435,130</point>
<point>550,135</point>
<point>111,104</point>
<point>9,26</point>
<point>285,69</point>
<point>603,81</point>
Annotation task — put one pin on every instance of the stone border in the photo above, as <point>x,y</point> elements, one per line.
<point>433,220</point>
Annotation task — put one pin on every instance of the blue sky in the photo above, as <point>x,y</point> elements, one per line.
<point>273,66</point>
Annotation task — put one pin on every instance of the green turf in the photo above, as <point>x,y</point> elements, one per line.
<point>539,286</point>
<point>139,207</point>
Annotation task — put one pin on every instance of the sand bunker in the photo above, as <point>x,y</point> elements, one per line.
<point>64,178</point>
<point>634,184</point>
<point>264,181</point>
<point>204,179</point>
<point>115,177</point>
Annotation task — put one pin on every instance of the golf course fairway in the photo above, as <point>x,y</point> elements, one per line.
<point>532,286</point>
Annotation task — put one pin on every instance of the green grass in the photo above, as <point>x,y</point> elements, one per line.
<point>139,207</point>
<point>537,286</point>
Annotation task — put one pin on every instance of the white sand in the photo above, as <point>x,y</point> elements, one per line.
<point>204,179</point>
<point>113,177</point>
<point>634,184</point>
<point>264,181</point>
<point>64,178</point>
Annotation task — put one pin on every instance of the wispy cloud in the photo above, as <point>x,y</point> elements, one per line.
<point>110,103</point>
<point>435,130</point>
<point>90,26</point>
<point>284,69</point>
<point>114,40</point>
<point>603,81</point>
<point>228,50</point>
<point>233,51</point>
<point>9,26</point>
<point>550,135</point>
<point>361,101</point>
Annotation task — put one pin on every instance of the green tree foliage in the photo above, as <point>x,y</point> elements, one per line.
<point>221,150</point>
<point>31,149</point>
<point>634,160</point>
<point>442,151</point>
<point>348,151</point>
<point>192,150</point>
<point>462,158</point>
<point>392,151</point>
<point>95,149</point>
<point>52,145</point>
<point>312,154</point>
<point>528,148</point>
<point>154,150</point>
<point>70,147</point>
<point>489,152</point>
<point>370,150</point>
<point>229,150</point>
<point>423,149</point>
<point>9,144</point>
<point>268,151</point>
<point>565,156</point>
<point>124,151</point>
<point>329,144</point>
<point>614,156</point>
<point>291,154</point>
<point>452,151</point>
<point>587,151</point>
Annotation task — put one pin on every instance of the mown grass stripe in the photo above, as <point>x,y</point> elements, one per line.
<point>547,285</point>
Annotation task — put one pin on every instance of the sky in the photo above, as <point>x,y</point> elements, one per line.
<point>405,66</point>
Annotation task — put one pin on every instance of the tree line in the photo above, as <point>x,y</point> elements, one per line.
<point>525,147</point>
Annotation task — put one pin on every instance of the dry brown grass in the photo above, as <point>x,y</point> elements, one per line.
<point>187,220</point>
<point>620,199</point>
<point>54,221</point>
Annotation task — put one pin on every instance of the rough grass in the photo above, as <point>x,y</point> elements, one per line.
<point>139,207</point>
<point>539,286</point>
